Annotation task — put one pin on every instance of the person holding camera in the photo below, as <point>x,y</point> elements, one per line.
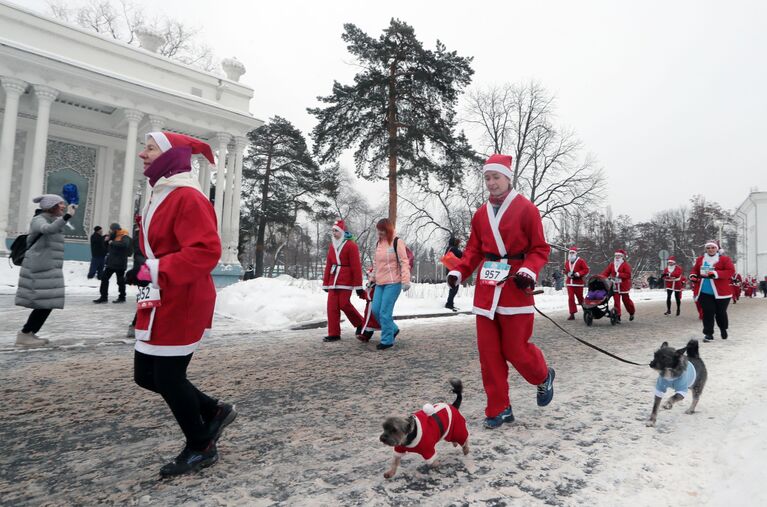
<point>41,280</point>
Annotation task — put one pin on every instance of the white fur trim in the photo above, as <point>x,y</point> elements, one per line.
<point>418,434</point>
<point>457,274</point>
<point>429,409</point>
<point>514,310</point>
<point>161,140</point>
<point>499,168</point>
<point>154,270</point>
<point>165,350</point>
<point>527,271</point>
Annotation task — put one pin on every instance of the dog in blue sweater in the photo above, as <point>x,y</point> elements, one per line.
<point>681,370</point>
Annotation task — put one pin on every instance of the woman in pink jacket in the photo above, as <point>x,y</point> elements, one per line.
<point>391,274</point>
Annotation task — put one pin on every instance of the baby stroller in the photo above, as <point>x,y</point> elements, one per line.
<point>597,302</point>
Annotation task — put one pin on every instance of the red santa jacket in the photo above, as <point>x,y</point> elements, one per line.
<point>673,279</point>
<point>428,432</point>
<point>624,273</point>
<point>515,235</point>
<point>723,270</point>
<point>183,248</point>
<point>580,268</point>
<point>342,267</point>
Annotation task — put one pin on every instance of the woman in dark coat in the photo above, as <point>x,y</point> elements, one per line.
<point>41,281</point>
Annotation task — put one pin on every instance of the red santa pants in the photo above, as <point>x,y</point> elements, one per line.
<point>572,293</point>
<point>339,300</point>
<point>626,301</point>
<point>504,340</point>
<point>735,292</point>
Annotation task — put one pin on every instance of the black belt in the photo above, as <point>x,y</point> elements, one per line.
<point>439,423</point>
<point>497,258</point>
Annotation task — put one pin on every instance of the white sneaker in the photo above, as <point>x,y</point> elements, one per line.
<point>29,340</point>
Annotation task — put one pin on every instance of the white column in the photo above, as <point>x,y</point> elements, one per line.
<point>223,140</point>
<point>129,169</point>
<point>205,168</point>
<point>234,218</point>
<point>156,123</point>
<point>226,213</point>
<point>45,97</point>
<point>14,88</point>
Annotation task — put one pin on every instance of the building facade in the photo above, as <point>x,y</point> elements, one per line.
<point>751,218</point>
<point>75,106</point>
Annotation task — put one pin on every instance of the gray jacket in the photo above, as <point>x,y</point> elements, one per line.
<point>41,281</point>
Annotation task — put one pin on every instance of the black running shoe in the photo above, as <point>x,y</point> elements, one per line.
<point>384,346</point>
<point>631,317</point>
<point>100,301</point>
<point>708,338</point>
<point>191,461</point>
<point>119,300</point>
<point>329,339</point>
<point>724,334</point>
<point>225,415</point>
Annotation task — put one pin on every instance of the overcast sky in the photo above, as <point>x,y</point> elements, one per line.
<point>671,96</point>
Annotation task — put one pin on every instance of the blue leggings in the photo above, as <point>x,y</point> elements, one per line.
<point>383,307</point>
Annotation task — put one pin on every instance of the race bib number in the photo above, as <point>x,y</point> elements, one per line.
<point>148,297</point>
<point>493,273</point>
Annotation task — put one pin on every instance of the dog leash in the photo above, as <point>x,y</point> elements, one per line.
<point>598,349</point>
<point>603,351</point>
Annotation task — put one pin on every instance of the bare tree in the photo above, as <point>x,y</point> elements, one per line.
<point>121,19</point>
<point>548,167</point>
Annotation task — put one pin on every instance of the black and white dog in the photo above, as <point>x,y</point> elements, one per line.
<point>680,372</point>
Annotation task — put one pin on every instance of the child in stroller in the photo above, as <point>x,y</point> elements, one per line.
<point>597,302</point>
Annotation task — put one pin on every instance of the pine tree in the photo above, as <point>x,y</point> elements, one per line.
<point>280,179</point>
<point>400,111</point>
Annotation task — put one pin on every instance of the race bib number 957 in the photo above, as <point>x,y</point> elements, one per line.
<point>493,273</point>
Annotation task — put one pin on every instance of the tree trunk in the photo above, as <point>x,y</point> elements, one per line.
<point>262,220</point>
<point>391,120</point>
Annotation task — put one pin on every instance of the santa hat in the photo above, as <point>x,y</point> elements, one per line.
<point>621,251</point>
<point>168,140</point>
<point>573,249</point>
<point>339,225</point>
<point>500,164</point>
<point>713,242</point>
<point>672,259</point>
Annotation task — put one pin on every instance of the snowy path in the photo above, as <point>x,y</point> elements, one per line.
<point>311,415</point>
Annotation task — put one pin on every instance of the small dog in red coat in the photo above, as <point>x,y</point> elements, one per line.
<point>420,432</point>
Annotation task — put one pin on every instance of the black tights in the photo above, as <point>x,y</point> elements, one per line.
<point>677,296</point>
<point>192,408</point>
<point>36,320</point>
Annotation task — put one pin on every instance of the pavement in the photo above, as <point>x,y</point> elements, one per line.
<point>77,431</point>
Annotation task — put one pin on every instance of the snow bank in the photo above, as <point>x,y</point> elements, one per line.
<point>75,278</point>
<point>269,304</point>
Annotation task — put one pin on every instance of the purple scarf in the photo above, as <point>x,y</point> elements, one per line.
<point>174,161</point>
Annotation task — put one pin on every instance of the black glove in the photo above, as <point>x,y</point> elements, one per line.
<point>452,280</point>
<point>325,290</point>
<point>524,281</point>
<point>361,294</point>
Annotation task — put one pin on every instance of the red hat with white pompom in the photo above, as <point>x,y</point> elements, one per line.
<point>168,140</point>
<point>340,225</point>
<point>672,259</point>
<point>500,164</point>
<point>621,252</point>
<point>573,249</point>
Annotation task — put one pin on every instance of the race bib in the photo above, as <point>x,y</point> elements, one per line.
<point>148,297</point>
<point>493,273</point>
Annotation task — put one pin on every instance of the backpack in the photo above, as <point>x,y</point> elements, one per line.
<point>410,256</point>
<point>19,248</point>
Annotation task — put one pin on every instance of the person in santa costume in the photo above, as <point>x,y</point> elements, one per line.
<point>713,270</point>
<point>343,274</point>
<point>672,276</point>
<point>620,272</point>
<point>576,270</point>
<point>508,245</point>
<point>736,282</point>
<point>179,238</point>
